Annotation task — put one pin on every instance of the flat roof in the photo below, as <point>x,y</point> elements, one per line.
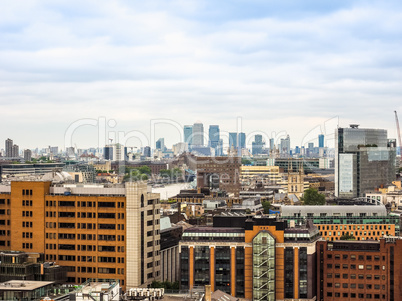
<point>21,285</point>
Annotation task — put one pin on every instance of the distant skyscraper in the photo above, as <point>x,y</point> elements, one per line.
<point>241,140</point>
<point>115,152</point>
<point>188,134</point>
<point>198,134</point>
<point>160,144</point>
<point>364,161</point>
<point>108,152</point>
<point>232,140</point>
<point>147,151</point>
<point>285,145</point>
<point>257,145</point>
<point>9,147</point>
<point>271,144</point>
<point>16,151</point>
<point>27,155</point>
<point>311,145</point>
<point>214,136</point>
<point>321,140</point>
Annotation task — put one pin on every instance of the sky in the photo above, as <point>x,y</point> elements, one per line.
<point>76,73</point>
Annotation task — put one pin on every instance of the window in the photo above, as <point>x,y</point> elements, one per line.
<point>361,267</point>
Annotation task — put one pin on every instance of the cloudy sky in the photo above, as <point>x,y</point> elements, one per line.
<point>281,67</point>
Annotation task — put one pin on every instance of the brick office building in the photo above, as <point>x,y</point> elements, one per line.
<point>219,173</point>
<point>359,270</point>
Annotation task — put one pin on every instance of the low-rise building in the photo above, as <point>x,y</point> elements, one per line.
<point>363,222</point>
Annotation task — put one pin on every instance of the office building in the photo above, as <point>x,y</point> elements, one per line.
<point>284,147</point>
<point>198,134</point>
<point>96,231</point>
<point>232,140</point>
<point>256,259</point>
<point>364,222</point>
<point>219,173</point>
<point>27,266</point>
<point>27,155</point>
<point>214,136</point>
<point>257,145</point>
<point>241,141</point>
<point>9,148</point>
<point>115,152</point>
<point>320,140</point>
<point>160,144</point>
<point>147,151</point>
<point>188,134</point>
<point>359,270</point>
<point>170,258</point>
<point>364,161</point>
<point>271,144</point>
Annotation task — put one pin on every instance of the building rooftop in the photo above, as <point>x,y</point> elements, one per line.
<point>21,285</point>
<point>340,210</point>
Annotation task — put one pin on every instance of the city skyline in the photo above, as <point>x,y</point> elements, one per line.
<point>276,65</point>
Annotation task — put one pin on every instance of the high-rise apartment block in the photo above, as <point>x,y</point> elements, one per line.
<point>16,151</point>
<point>9,147</point>
<point>27,155</point>
<point>96,231</point>
<point>364,161</point>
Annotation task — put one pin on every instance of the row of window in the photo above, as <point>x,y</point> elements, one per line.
<point>27,234</point>
<point>354,285</point>
<point>84,204</point>
<point>353,266</point>
<point>353,257</point>
<point>353,295</point>
<point>353,276</point>
<point>27,224</point>
<point>26,245</point>
<point>27,203</point>
<point>354,227</point>
<point>26,191</point>
<point>27,213</point>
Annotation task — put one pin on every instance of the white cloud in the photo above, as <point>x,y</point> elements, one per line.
<point>183,60</point>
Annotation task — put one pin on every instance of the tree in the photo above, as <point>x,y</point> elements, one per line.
<point>348,236</point>
<point>266,205</point>
<point>246,161</point>
<point>312,197</point>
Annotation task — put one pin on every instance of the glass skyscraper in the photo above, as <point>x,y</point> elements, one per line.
<point>321,140</point>
<point>188,134</point>
<point>198,134</point>
<point>364,160</point>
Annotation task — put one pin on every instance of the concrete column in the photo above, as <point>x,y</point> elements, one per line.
<point>296,272</point>
<point>212,267</point>
<point>233,271</point>
<point>191,267</point>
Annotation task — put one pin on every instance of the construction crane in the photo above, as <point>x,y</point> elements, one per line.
<point>399,131</point>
